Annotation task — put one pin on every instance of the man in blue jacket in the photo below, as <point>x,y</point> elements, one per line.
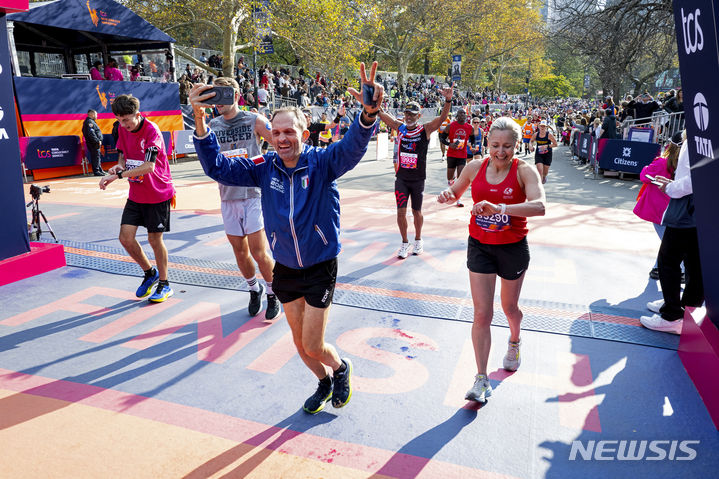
<point>301,208</point>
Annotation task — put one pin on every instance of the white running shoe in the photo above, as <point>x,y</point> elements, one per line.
<point>657,323</point>
<point>655,306</point>
<point>418,247</point>
<point>403,251</point>
<point>481,389</point>
<point>512,359</point>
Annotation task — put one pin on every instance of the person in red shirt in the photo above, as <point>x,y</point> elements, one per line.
<point>458,134</point>
<point>505,191</point>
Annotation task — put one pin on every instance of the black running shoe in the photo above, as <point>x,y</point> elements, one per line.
<point>316,402</point>
<point>255,301</point>
<point>273,307</point>
<point>342,388</point>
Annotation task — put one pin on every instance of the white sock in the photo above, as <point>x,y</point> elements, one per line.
<point>269,288</point>
<point>253,284</point>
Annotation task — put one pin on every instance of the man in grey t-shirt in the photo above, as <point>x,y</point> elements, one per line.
<point>237,132</point>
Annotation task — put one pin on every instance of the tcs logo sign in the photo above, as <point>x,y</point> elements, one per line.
<point>44,154</point>
<point>693,35</point>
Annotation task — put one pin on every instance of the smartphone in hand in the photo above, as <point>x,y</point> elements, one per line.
<point>224,95</point>
<point>368,95</point>
<point>653,180</point>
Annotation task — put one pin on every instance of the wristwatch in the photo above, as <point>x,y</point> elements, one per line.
<point>119,174</point>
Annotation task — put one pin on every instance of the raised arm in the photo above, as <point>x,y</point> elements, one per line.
<point>437,122</point>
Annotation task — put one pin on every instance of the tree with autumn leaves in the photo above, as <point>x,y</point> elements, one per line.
<point>496,38</point>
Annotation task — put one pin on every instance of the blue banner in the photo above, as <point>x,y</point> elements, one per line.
<point>696,25</point>
<point>51,151</point>
<point>584,144</point>
<point>13,233</point>
<point>456,68</point>
<point>626,156</point>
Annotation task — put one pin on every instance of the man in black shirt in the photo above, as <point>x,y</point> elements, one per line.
<point>411,166</point>
<point>93,139</point>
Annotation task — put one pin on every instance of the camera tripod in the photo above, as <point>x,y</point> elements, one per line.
<point>35,229</point>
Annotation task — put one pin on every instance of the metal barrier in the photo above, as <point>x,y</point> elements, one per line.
<point>664,124</point>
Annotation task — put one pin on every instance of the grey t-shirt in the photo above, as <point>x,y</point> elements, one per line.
<point>237,136</point>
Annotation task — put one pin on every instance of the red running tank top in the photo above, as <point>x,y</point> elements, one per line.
<point>498,229</point>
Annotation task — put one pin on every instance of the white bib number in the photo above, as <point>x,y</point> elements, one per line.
<point>408,160</point>
<point>493,223</point>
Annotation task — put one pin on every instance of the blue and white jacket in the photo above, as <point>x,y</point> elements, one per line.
<point>301,206</point>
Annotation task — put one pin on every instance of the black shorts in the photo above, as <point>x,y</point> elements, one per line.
<point>508,261</point>
<point>405,190</point>
<point>153,216</point>
<point>455,162</point>
<point>545,159</point>
<point>316,283</point>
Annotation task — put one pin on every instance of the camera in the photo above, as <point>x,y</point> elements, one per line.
<point>36,191</point>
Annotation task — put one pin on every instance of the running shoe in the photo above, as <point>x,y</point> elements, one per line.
<point>162,292</point>
<point>512,359</point>
<point>273,307</point>
<point>256,301</point>
<point>460,204</point>
<point>654,273</point>
<point>655,306</point>
<point>418,247</point>
<point>657,323</point>
<point>148,282</point>
<point>342,385</point>
<point>481,389</point>
<point>316,402</point>
<point>403,251</point>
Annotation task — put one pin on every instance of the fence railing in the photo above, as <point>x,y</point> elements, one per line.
<point>664,124</point>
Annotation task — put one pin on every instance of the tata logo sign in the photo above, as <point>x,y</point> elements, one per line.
<point>693,35</point>
<point>701,112</point>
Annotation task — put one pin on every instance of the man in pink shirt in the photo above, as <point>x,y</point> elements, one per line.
<point>143,162</point>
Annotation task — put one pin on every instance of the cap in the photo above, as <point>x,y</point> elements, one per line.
<point>543,123</point>
<point>677,138</point>
<point>412,107</point>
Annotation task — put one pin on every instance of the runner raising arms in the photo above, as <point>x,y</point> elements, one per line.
<point>505,191</point>
<point>411,160</point>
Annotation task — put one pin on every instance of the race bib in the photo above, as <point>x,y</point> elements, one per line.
<point>541,149</point>
<point>132,164</point>
<point>236,153</point>
<point>407,160</point>
<point>493,223</point>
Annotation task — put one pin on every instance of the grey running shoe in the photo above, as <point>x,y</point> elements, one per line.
<point>273,307</point>
<point>512,359</point>
<point>481,389</point>
<point>403,251</point>
<point>316,402</point>
<point>342,389</point>
<point>256,301</point>
<point>418,247</point>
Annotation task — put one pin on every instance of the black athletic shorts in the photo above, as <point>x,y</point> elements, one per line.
<point>405,190</point>
<point>455,162</point>
<point>508,261</point>
<point>153,216</point>
<point>544,159</point>
<point>316,283</point>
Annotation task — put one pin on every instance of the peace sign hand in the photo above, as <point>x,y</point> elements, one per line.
<point>369,81</point>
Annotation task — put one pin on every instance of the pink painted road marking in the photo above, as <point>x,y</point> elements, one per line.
<point>369,252</point>
<point>408,374</point>
<point>127,321</point>
<point>212,344</point>
<point>577,400</point>
<point>368,459</point>
<point>72,303</point>
<point>276,356</point>
<point>453,262</point>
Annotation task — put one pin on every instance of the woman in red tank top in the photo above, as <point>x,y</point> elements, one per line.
<point>505,191</point>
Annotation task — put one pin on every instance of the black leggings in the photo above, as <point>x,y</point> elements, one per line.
<point>680,244</point>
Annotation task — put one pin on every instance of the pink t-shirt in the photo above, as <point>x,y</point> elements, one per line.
<point>154,187</point>
<point>112,73</point>
<point>95,74</point>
